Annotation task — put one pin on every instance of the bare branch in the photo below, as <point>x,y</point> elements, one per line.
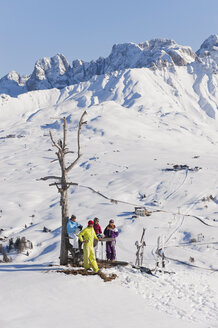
<point>54,143</point>
<point>49,177</point>
<point>72,183</point>
<point>81,122</point>
<point>73,164</point>
<point>60,159</point>
<point>64,132</point>
<point>56,184</point>
<point>59,183</point>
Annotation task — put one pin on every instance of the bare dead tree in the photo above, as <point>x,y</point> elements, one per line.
<point>62,182</point>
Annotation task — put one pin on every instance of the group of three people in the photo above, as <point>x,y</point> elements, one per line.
<point>87,237</point>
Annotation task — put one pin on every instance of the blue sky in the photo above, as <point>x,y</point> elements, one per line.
<point>32,29</point>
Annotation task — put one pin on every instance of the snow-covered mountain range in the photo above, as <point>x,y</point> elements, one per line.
<point>56,72</point>
<point>150,140</point>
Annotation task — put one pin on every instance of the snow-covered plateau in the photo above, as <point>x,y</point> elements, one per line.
<point>150,140</point>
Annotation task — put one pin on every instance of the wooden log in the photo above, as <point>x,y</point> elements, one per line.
<point>113,263</point>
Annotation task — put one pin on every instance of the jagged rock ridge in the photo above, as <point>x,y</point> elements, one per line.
<point>50,73</point>
<point>209,46</point>
<point>56,72</point>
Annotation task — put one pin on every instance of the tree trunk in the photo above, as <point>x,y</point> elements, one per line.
<point>64,210</point>
<point>62,184</point>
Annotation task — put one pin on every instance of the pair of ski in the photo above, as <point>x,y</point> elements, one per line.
<point>139,255</point>
<point>159,256</point>
<point>140,249</point>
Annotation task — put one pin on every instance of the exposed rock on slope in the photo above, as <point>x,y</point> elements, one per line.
<point>13,84</point>
<point>56,72</point>
<point>49,73</point>
<point>155,53</point>
<point>209,47</point>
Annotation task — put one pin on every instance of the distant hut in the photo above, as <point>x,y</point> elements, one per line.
<point>142,211</point>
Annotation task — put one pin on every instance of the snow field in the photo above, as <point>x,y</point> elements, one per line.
<point>149,122</point>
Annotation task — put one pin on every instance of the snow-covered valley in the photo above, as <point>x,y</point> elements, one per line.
<point>141,123</point>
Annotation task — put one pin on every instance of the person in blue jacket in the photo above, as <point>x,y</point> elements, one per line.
<point>73,229</point>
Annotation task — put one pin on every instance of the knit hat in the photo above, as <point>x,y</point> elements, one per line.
<point>111,221</point>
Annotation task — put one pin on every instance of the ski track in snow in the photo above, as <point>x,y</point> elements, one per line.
<point>176,294</point>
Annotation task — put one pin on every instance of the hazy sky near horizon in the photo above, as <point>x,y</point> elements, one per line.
<point>87,29</point>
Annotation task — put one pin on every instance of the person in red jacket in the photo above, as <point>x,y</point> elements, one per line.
<point>98,232</point>
<point>97,227</point>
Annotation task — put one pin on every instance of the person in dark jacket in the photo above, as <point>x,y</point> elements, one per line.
<point>111,232</point>
<point>97,227</point>
<point>98,232</point>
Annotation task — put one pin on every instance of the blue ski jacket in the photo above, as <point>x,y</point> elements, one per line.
<point>73,227</point>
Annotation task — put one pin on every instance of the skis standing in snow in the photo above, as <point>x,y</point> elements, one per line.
<point>140,249</point>
<point>160,257</point>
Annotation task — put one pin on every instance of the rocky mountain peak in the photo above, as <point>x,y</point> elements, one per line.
<point>56,72</point>
<point>49,73</point>
<point>208,53</point>
<point>13,84</point>
<point>209,45</point>
<point>156,53</point>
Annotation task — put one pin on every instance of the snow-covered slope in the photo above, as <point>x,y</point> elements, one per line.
<point>140,123</point>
